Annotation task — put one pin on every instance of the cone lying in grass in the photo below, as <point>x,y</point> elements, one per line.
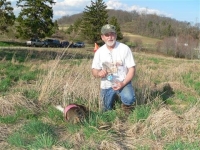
<point>74,113</point>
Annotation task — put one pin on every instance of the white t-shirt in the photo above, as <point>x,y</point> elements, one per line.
<point>115,62</point>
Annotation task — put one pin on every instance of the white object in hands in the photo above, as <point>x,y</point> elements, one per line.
<point>114,83</point>
<point>112,80</point>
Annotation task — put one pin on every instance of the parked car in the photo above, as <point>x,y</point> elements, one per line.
<point>67,44</point>
<point>79,44</point>
<point>52,43</point>
<point>64,44</point>
<point>35,42</point>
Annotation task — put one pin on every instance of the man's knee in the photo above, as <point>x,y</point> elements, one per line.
<point>128,100</point>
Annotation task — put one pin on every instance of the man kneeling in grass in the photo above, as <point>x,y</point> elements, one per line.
<point>114,64</point>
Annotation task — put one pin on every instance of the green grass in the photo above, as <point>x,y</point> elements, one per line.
<point>143,147</point>
<point>11,43</point>
<point>192,79</point>
<point>72,128</point>
<point>140,113</point>
<point>156,60</point>
<point>34,135</point>
<point>17,140</point>
<point>4,44</point>
<point>66,144</point>
<point>20,113</point>
<point>94,133</point>
<point>178,144</point>
<point>5,84</point>
<point>43,141</point>
<point>30,94</point>
<point>8,119</point>
<point>12,73</point>
<point>55,115</point>
<point>189,98</point>
<point>35,127</point>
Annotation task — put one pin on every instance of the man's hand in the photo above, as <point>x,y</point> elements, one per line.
<point>102,73</point>
<point>99,73</point>
<point>129,76</point>
<point>117,85</point>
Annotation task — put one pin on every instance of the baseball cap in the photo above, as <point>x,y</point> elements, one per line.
<point>107,29</point>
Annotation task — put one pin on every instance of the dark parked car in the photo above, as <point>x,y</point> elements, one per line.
<point>52,43</point>
<point>67,44</point>
<point>64,44</point>
<point>79,44</point>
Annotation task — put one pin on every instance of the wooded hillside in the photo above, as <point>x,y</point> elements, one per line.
<point>149,25</point>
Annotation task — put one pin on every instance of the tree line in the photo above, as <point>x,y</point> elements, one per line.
<point>150,25</point>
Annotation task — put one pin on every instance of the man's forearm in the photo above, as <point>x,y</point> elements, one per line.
<point>129,76</point>
<point>95,73</point>
<point>99,73</point>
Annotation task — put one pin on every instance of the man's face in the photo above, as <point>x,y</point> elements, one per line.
<point>109,38</point>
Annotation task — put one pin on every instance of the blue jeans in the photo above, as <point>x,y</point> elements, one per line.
<point>127,96</point>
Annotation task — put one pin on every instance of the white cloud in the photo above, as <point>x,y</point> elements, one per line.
<point>116,4</point>
<point>69,7</point>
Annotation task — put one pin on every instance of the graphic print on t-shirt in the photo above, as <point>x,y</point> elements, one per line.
<point>116,69</point>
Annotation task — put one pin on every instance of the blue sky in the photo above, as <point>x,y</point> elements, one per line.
<point>182,10</point>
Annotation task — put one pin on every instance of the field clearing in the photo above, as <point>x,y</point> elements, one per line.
<point>63,27</point>
<point>145,40</point>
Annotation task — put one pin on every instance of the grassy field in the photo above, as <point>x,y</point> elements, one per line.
<point>33,80</point>
<point>145,40</point>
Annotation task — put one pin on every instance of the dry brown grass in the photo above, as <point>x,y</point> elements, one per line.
<point>164,126</point>
<point>68,82</point>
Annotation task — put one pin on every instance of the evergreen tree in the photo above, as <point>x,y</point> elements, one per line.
<point>94,17</point>
<point>35,18</point>
<point>70,29</point>
<point>114,22</point>
<point>7,17</point>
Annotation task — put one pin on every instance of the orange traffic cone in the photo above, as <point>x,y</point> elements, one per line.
<point>96,47</point>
